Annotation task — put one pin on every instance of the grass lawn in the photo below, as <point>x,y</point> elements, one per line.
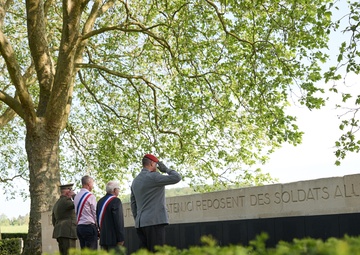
<point>14,229</point>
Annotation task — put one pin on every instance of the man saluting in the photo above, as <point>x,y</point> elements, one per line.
<point>148,201</point>
<point>64,220</point>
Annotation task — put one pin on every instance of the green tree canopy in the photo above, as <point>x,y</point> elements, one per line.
<point>203,84</point>
<point>348,63</point>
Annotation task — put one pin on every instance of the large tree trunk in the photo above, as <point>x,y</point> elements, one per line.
<point>42,147</point>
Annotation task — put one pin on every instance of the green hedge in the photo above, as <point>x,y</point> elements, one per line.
<point>10,246</point>
<point>307,246</point>
<point>14,235</point>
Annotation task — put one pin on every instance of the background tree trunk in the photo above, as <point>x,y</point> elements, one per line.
<point>42,146</point>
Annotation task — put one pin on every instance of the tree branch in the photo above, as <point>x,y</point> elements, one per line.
<point>60,98</point>
<point>13,67</point>
<point>6,117</point>
<point>152,86</point>
<point>6,180</point>
<point>40,51</point>
<point>220,17</point>
<point>101,104</point>
<point>13,103</point>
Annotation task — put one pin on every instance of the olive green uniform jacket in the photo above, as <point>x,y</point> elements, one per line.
<point>64,219</point>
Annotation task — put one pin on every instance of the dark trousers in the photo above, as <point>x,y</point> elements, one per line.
<point>88,236</point>
<point>65,244</point>
<point>151,236</point>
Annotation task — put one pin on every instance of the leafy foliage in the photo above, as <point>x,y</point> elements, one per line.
<point>348,64</point>
<point>10,246</point>
<point>204,85</point>
<point>309,246</point>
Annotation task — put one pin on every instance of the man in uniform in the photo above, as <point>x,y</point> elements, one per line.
<point>64,220</point>
<point>148,201</point>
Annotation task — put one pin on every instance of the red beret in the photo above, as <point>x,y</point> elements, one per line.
<point>151,157</point>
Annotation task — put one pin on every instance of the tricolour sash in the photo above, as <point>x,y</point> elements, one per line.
<point>81,204</point>
<point>101,213</point>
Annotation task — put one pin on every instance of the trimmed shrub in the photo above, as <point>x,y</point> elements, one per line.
<point>14,235</point>
<point>10,246</point>
<point>307,246</point>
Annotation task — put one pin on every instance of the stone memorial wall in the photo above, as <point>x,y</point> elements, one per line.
<point>313,197</point>
<point>290,201</point>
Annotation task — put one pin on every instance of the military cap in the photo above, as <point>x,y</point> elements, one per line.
<point>66,186</point>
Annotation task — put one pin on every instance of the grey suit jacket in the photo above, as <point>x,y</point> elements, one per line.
<point>148,197</point>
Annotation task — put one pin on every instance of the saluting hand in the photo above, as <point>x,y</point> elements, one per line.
<point>162,167</point>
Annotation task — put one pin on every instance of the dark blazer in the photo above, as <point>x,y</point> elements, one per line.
<point>112,226</point>
<point>148,197</point>
<point>64,219</point>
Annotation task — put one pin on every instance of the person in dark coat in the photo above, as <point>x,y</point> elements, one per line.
<point>64,220</point>
<point>148,201</point>
<point>110,219</point>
